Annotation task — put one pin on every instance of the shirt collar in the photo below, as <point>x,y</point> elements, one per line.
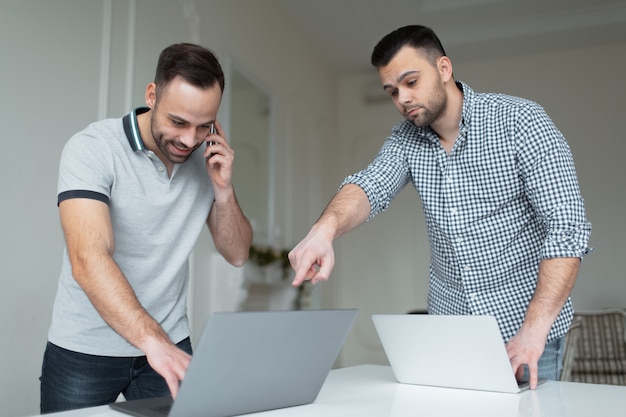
<point>468,103</point>
<point>131,128</point>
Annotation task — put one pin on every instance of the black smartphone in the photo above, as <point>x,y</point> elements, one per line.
<point>212,131</point>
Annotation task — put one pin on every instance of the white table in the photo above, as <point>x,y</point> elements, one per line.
<point>371,390</point>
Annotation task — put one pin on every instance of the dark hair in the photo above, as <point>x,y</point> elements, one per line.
<point>418,37</point>
<point>195,64</point>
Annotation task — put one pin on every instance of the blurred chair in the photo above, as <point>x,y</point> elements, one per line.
<point>569,352</point>
<point>600,350</point>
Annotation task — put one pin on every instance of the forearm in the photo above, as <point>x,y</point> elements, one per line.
<point>231,230</point>
<point>555,282</point>
<point>347,210</point>
<point>113,297</point>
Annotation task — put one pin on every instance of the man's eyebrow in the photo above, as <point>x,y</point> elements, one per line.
<point>183,120</point>
<point>177,118</point>
<point>401,77</point>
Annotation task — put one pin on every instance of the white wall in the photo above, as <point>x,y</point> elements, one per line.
<point>50,87</point>
<point>55,58</point>
<point>382,267</point>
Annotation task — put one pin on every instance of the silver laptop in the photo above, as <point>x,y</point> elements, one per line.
<point>447,351</point>
<point>247,362</point>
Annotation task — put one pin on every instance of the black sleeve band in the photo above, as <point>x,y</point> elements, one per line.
<point>66,195</point>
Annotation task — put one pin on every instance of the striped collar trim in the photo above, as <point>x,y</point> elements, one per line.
<point>131,128</point>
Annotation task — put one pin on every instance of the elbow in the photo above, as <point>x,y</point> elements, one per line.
<point>237,257</point>
<point>238,260</point>
<point>79,270</point>
<point>243,255</point>
<point>85,264</point>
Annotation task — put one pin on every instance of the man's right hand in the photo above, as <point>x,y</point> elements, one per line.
<point>313,258</point>
<point>169,361</point>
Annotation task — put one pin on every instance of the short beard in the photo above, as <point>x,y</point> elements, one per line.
<point>432,110</point>
<point>427,117</point>
<point>162,143</point>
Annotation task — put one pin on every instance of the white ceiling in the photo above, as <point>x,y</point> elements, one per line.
<point>345,31</point>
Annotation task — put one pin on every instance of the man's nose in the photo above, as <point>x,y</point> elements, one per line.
<point>404,96</point>
<point>191,137</point>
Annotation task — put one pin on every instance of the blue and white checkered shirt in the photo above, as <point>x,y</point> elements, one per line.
<point>505,198</point>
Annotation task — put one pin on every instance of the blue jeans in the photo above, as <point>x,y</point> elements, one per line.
<point>71,380</point>
<point>551,361</point>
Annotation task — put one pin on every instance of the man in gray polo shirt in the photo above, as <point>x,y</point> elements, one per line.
<point>134,194</point>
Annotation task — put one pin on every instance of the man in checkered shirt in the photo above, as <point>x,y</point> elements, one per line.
<point>506,221</point>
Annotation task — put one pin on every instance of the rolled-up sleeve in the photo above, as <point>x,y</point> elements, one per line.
<point>568,233</point>
<point>384,177</point>
<point>552,185</point>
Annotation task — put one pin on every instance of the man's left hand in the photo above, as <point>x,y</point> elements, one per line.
<point>525,348</point>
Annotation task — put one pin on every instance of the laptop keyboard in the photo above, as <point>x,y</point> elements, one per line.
<point>162,409</point>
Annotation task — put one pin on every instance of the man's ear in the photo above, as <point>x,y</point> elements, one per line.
<point>151,95</point>
<point>444,66</point>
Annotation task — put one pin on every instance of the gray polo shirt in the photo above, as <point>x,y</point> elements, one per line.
<point>156,221</point>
